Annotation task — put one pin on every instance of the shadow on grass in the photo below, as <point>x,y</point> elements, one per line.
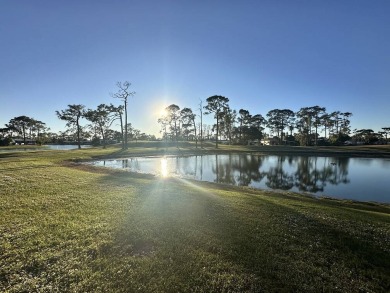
<point>16,154</point>
<point>25,168</point>
<point>340,254</point>
<point>184,235</point>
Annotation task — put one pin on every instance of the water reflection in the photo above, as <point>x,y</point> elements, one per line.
<point>64,147</point>
<point>164,167</point>
<point>316,175</point>
<point>277,177</point>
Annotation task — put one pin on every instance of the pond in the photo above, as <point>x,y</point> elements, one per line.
<point>347,178</point>
<point>64,147</point>
<point>60,147</point>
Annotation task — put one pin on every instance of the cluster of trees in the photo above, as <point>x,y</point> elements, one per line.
<point>179,124</point>
<point>99,127</point>
<point>25,126</point>
<point>286,126</point>
<point>369,136</point>
<point>239,127</point>
<point>102,118</point>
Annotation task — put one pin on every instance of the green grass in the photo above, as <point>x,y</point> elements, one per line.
<point>65,227</point>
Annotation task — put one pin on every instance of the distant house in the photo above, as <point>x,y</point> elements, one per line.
<point>270,141</point>
<point>28,141</point>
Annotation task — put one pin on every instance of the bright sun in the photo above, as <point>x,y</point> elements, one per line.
<point>159,110</point>
<point>163,112</point>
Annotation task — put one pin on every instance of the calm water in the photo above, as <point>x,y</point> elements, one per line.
<point>44,147</point>
<point>349,178</point>
<point>64,147</point>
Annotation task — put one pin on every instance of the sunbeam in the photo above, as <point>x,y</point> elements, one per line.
<point>164,168</point>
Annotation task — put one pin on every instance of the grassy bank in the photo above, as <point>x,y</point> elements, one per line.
<point>183,148</point>
<point>66,227</point>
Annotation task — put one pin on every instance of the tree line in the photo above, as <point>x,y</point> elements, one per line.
<point>242,127</point>
<point>101,119</point>
<point>284,126</point>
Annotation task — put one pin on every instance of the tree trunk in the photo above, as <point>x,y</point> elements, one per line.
<point>123,141</point>
<point>196,138</point>
<point>24,134</point>
<point>103,136</point>
<point>216,135</point>
<point>78,134</point>
<point>126,125</point>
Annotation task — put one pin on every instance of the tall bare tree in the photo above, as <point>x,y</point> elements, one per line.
<point>124,94</point>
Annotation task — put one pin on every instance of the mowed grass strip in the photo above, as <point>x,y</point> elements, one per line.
<point>82,229</point>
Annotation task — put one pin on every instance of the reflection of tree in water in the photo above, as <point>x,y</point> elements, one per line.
<point>340,171</point>
<point>313,178</point>
<point>278,178</point>
<point>125,163</point>
<point>223,170</point>
<point>238,169</point>
<point>131,164</point>
<point>307,176</point>
<point>187,166</point>
<point>248,169</point>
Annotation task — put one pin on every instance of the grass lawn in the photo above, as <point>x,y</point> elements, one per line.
<point>66,227</point>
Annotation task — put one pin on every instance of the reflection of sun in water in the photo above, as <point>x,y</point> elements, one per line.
<point>164,167</point>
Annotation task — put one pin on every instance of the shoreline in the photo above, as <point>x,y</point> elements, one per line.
<point>160,149</point>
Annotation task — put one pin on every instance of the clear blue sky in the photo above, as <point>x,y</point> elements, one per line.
<point>262,55</point>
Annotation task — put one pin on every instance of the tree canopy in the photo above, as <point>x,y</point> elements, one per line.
<point>72,115</point>
<point>216,105</point>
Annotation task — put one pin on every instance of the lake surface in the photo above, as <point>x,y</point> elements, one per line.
<point>348,178</point>
<point>64,147</point>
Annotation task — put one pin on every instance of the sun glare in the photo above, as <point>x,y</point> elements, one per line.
<point>159,110</point>
<point>164,168</point>
<point>163,112</point>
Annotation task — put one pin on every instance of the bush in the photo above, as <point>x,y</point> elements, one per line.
<point>6,141</point>
<point>95,141</point>
<point>339,139</point>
